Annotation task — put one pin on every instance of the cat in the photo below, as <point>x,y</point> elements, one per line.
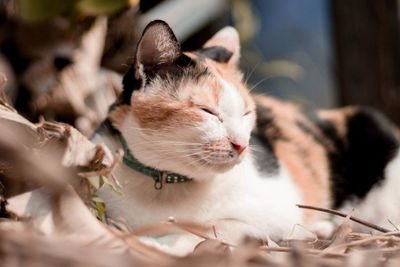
<point>199,147</point>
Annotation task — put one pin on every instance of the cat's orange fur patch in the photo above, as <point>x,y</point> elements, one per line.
<point>305,159</point>
<point>156,112</point>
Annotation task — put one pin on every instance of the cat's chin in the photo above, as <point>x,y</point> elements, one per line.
<point>221,167</point>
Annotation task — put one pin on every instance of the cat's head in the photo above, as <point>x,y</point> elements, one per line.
<point>185,112</point>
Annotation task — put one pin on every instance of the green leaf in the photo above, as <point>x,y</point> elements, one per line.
<point>101,208</point>
<point>96,199</point>
<point>94,181</point>
<point>111,185</point>
<point>39,10</point>
<point>96,7</point>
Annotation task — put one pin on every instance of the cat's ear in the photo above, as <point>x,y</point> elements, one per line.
<point>158,46</point>
<point>158,53</point>
<point>224,46</point>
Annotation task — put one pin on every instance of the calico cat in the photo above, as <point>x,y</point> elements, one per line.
<point>185,121</point>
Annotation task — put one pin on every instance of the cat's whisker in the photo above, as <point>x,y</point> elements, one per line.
<point>258,83</point>
<point>199,162</point>
<point>203,164</point>
<point>181,150</point>
<point>169,154</point>
<point>200,158</point>
<point>168,150</point>
<point>166,157</point>
<point>212,155</point>
<point>197,153</point>
<point>255,148</point>
<point>251,73</point>
<point>168,142</point>
<point>167,145</point>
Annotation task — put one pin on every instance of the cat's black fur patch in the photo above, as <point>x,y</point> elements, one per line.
<point>182,66</point>
<point>130,83</point>
<point>107,129</point>
<point>61,62</point>
<point>176,70</point>
<point>216,53</point>
<point>265,121</point>
<point>266,159</point>
<point>359,161</point>
<point>319,138</point>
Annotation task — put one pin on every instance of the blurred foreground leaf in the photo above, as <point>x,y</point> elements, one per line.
<point>94,181</point>
<point>111,185</point>
<point>100,207</point>
<point>96,7</point>
<point>39,10</point>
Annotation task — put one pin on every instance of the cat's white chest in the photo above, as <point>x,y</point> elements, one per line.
<point>237,203</point>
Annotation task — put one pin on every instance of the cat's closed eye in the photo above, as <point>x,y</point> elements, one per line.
<point>247,113</point>
<point>212,112</point>
<point>209,111</point>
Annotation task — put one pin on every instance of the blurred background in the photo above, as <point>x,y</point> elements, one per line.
<point>63,59</point>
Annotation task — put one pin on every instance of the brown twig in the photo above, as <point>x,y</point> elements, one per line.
<point>309,251</point>
<point>394,226</point>
<point>367,240</point>
<point>338,213</point>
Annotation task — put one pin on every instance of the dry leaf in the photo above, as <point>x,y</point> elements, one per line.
<point>81,91</point>
<point>340,237</point>
<point>8,82</point>
<point>211,246</point>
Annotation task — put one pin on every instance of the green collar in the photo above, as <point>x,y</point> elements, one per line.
<point>157,175</point>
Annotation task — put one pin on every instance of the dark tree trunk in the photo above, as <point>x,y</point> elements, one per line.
<point>368,53</point>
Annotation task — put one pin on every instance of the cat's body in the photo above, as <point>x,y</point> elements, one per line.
<point>191,114</point>
<point>345,158</point>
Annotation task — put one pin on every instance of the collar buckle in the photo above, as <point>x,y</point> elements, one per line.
<point>158,182</point>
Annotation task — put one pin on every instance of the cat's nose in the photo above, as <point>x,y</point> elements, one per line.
<point>239,148</point>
